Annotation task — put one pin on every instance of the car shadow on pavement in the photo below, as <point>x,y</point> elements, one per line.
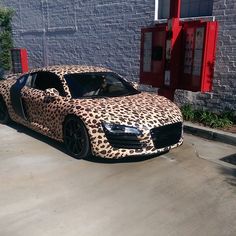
<point>124,159</point>
<point>59,146</point>
<point>22,129</point>
<point>229,174</point>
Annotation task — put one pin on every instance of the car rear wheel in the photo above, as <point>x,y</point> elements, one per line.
<point>76,138</point>
<point>4,116</point>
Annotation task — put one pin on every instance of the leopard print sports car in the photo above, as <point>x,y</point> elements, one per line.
<point>92,110</point>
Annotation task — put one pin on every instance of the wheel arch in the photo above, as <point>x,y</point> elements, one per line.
<point>81,119</point>
<point>72,115</point>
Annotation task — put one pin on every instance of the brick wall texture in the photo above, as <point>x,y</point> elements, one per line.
<point>107,33</point>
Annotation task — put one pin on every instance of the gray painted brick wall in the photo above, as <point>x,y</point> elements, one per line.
<point>223,96</point>
<point>225,70</point>
<point>100,32</point>
<point>107,33</point>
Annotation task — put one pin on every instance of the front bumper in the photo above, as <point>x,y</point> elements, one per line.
<point>153,141</point>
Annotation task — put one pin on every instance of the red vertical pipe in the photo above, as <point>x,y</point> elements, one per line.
<point>175,6</point>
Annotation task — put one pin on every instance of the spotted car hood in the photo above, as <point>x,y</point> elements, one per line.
<point>144,110</point>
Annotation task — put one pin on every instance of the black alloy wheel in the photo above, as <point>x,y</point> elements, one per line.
<point>76,138</point>
<point>4,116</point>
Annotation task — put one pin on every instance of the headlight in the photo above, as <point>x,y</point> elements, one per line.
<point>120,129</point>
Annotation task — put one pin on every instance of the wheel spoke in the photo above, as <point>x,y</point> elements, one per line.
<point>79,144</point>
<point>73,148</point>
<point>68,132</point>
<point>70,126</point>
<point>72,144</point>
<point>73,124</point>
<point>78,134</point>
<point>76,149</point>
<point>68,139</point>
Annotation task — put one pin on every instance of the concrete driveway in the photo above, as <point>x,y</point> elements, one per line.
<point>45,192</point>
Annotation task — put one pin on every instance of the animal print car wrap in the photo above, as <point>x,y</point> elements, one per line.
<point>144,111</point>
<point>46,113</point>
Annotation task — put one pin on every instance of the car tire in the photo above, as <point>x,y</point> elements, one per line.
<point>4,116</point>
<point>76,138</point>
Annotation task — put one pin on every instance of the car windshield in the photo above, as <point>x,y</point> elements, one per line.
<point>98,85</point>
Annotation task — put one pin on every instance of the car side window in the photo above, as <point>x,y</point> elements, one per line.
<point>45,80</point>
<point>30,80</point>
<point>23,79</point>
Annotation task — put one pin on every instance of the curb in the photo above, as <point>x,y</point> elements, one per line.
<point>211,134</point>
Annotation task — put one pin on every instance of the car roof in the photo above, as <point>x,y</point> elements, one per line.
<point>71,69</point>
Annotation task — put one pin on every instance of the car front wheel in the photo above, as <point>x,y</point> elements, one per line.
<point>4,116</point>
<point>76,138</point>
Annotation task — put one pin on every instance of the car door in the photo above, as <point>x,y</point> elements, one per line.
<point>15,96</point>
<point>35,98</point>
